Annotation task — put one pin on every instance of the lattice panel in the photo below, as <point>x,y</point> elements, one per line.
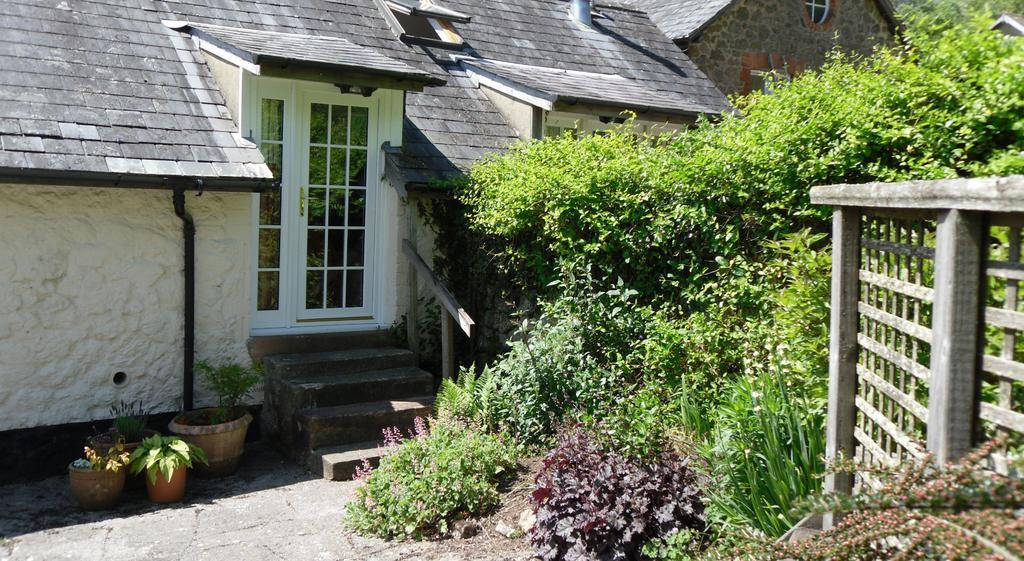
<point>894,338</point>
<point>1002,387</point>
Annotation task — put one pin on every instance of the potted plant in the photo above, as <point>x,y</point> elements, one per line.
<point>129,428</point>
<point>98,479</point>
<point>220,431</point>
<point>165,459</point>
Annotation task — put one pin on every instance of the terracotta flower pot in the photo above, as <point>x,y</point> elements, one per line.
<point>223,443</point>
<point>167,491</point>
<point>96,490</point>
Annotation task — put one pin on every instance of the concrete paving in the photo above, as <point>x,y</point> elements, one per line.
<point>270,510</point>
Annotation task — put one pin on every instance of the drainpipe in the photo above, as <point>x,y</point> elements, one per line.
<point>189,343</point>
<point>580,11</point>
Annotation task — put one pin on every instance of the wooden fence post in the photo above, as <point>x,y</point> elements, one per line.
<point>412,318</point>
<point>956,321</point>
<point>842,361</point>
<point>447,345</point>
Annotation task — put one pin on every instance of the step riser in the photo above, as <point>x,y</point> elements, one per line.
<point>264,346</point>
<point>299,397</point>
<point>338,471</point>
<point>346,430</point>
<point>351,366</point>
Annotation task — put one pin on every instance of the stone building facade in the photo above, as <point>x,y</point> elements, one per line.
<point>753,37</point>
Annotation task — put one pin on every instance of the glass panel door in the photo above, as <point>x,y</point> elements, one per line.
<point>336,204</point>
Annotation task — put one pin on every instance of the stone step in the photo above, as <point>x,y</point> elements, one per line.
<point>267,345</point>
<point>303,392</point>
<point>359,422</point>
<point>348,361</point>
<point>339,463</point>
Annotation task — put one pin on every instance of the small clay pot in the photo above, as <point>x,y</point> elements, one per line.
<point>167,491</point>
<point>223,443</point>
<point>96,490</point>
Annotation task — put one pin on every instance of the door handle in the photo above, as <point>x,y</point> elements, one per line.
<point>302,201</point>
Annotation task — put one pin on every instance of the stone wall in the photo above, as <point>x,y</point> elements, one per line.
<point>745,36</point>
<point>91,285</point>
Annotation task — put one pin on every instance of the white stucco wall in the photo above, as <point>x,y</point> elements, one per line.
<point>91,284</point>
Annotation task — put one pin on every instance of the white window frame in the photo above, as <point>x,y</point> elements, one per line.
<point>824,5</point>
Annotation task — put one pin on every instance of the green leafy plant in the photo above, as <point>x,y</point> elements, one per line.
<point>639,425</point>
<point>581,357</point>
<point>531,388</point>
<point>230,382</point>
<point>129,421</point>
<point>424,482</point>
<point>164,455</point>
<point>684,545</point>
<point>767,452</point>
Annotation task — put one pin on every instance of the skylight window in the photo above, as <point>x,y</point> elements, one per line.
<point>423,22</point>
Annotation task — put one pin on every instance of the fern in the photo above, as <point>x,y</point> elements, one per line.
<point>458,397</point>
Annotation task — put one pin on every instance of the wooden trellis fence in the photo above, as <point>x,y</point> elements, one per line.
<point>926,353</point>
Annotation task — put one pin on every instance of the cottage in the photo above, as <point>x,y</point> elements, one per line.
<point>739,43</point>
<point>232,180</point>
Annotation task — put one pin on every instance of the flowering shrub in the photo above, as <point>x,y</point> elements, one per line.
<point>434,476</point>
<point>592,504</point>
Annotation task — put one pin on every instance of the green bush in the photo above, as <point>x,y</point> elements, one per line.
<point>586,353</point>
<point>544,376</point>
<point>430,479</point>
<point>640,425</point>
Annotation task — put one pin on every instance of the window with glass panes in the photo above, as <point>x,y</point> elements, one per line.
<point>268,272</point>
<point>337,202</point>
<point>818,10</point>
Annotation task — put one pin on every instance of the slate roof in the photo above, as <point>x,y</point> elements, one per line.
<point>107,91</point>
<point>623,42</point>
<point>1010,23</point>
<point>683,20</point>
<point>136,98</point>
<point>270,46</point>
<point>573,86</point>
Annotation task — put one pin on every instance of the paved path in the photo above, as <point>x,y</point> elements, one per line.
<point>270,510</point>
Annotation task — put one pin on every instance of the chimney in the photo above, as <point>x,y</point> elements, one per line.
<point>580,11</point>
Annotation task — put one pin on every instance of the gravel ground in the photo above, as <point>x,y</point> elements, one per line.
<point>270,510</point>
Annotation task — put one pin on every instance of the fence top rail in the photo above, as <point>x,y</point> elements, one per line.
<point>994,194</point>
